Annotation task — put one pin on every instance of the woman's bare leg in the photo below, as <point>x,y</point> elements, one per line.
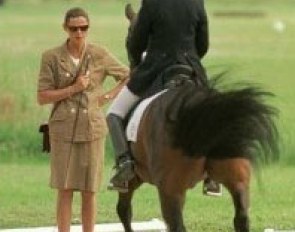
<point>88,211</point>
<point>64,210</point>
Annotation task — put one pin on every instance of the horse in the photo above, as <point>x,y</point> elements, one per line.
<point>190,132</point>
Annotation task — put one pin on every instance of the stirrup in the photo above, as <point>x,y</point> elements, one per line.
<point>123,188</point>
<point>124,172</point>
<point>212,188</point>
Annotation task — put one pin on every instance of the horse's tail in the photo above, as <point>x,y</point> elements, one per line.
<point>223,124</point>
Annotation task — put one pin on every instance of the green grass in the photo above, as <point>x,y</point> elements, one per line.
<point>249,47</point>
<point>27,201</point>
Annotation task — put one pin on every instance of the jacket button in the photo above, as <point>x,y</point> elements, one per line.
<point>85,111</point>
<point>68,74</point>
<point>73,110</point>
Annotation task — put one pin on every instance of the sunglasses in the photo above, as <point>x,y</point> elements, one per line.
<point>81,28</point>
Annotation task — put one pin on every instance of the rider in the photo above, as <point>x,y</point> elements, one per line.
<point>170,32</point>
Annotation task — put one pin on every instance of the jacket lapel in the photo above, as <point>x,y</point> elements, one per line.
<point>67,64</point>
<point>65,60</point>
<point>84,61</point>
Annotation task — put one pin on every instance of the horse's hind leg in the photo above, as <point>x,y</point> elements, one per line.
<point>124,208</point>
<point>240,196</point>
<point>235,175</point>
<point>172,206</point>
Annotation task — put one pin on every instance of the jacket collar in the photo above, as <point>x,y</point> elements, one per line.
<point>65,60</point>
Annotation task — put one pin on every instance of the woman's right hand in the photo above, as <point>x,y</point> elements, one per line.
<point>81,83</point>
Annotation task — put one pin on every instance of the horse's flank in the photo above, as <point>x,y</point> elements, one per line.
<point>189,133</point>
<point>176,171</point>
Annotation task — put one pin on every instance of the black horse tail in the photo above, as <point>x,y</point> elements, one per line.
<point>223,124</point>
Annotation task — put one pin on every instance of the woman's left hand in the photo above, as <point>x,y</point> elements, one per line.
<point>110,95</point>
<point>104,99</point>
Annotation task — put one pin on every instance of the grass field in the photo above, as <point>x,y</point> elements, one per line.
<point>249,47</point>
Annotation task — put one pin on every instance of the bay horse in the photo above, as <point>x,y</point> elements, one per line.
<point>190,132</point>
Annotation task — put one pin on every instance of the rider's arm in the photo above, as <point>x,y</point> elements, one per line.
<point>138,40</point>
<point>202,31</point>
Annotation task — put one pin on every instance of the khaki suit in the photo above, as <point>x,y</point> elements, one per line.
<point>68,160</point>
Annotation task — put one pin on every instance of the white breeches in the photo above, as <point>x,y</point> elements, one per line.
<point>123,103</point>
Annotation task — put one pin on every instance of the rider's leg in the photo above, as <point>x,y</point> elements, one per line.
<point>115,116</point>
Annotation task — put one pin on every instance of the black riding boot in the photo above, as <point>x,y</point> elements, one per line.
<point>124,162</point>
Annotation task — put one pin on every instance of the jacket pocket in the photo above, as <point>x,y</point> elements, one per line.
<point>98,126</point>
<point>58,125</point>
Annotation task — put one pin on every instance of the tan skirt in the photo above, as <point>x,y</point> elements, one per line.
<point>77,166</point>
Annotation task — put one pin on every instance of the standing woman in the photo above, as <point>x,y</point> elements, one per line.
<point>71,78</point>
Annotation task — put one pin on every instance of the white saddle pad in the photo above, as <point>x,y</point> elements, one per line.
<point>132,127</point>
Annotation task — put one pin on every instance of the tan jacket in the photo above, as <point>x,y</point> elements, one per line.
<point>58,71</point>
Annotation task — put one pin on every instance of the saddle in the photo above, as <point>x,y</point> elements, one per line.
<point>172,76</point>
<point>176,75</point>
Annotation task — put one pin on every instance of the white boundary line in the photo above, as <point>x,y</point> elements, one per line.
<point>274,230</point>
<point>152,225</point>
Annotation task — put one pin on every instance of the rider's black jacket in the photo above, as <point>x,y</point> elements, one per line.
<point>170,31</point>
